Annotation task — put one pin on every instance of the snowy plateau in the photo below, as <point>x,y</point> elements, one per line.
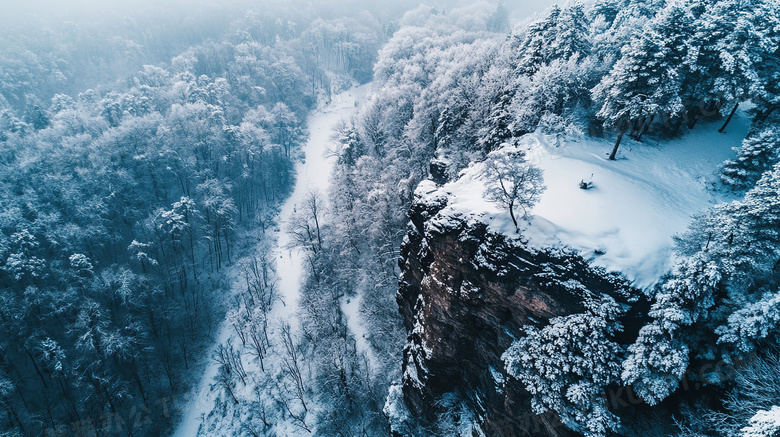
<point>626,218</point>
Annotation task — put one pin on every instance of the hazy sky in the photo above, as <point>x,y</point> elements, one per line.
<point>54,11</point>
<point>522,9</point>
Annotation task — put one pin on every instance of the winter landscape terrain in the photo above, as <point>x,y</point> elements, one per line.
<point>626,218</point>
<point>357,218</point>
<point>312,176</point>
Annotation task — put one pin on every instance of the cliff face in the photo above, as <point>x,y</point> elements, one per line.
<point>465,292</point>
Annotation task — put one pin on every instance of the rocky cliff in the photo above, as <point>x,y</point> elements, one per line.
<point>465,292</point>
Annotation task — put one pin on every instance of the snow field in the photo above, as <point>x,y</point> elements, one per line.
<point>626,220</point>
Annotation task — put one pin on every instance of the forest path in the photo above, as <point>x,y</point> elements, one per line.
<point>312,173</point>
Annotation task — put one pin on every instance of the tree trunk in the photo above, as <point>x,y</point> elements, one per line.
<point>696,116</point>
<point>137,378</point>
<point>512,214</point>
<point>635,128</point>
<point>617,144</point>
<point>645,127</point>
<point>230,391</point>
<point>728,119</point>
<point>12,411</point>
<point>692,114</point>
<point>761,116</point>
<point>677,126</point>
<point>317,224</point>
<point>35,365</point>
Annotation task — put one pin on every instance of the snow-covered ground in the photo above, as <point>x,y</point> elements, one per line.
<point>356,325</point>
<point>626,221</point>
<point>763,424</point>
<point>313,173</point>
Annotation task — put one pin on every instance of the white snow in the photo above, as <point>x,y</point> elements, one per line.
<point>355,323</point>
<point>313,173</point>
<point>626,221</point>
<point>763,424</point>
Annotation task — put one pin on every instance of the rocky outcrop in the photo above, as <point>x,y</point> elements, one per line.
<point>465,292</point>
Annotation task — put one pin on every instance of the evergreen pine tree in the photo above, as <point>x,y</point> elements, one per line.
<point>646,81</point>
<point>763,54</point>
<point>717,40</point>
<point>533,50</point>
<point>567,364</point>
<point>572,34</point>
<point>757,154</point>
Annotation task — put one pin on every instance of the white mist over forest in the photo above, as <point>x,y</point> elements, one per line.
<point>50,12</point>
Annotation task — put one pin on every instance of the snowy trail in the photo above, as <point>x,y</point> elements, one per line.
<point>351,310</point>
<point>201,402</point>
<point>313,173</point>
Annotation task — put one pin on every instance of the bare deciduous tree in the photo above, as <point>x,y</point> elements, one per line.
<point>511,181</point>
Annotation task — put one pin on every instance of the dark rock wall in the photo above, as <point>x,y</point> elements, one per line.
<point>464,294</point>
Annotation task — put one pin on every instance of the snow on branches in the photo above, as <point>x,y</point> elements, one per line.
<point>566,365</point>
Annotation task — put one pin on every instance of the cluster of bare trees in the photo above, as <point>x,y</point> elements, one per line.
<point>309,374</point>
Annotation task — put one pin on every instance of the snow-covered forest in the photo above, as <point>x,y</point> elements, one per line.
<point>208,212</point>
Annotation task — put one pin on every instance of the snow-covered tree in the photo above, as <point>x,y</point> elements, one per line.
<point>752,324</point>
<point>763,52</point>
<point>751,405</point>
<point>758,153</point>
<point>532,50</point>
<point>647,79</point>
<point>616,22</point>
<point>567,364</point>
<point>512,182</point>
<point>22,262</point>
<point>659,358</point>
<point>220,211</point>
<point>572,37</point>
<point>558,89</point>
<point>715,67</point>
<point>763,424</point>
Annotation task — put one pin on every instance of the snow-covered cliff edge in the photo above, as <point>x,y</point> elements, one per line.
<point>465,293</point>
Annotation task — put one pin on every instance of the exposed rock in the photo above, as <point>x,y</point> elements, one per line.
<point>465,292</point>
<point>438,170</point>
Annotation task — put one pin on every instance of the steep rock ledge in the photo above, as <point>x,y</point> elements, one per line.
<point>464,294</point>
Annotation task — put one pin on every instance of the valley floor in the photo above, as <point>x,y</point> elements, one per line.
<point>312,174</point>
